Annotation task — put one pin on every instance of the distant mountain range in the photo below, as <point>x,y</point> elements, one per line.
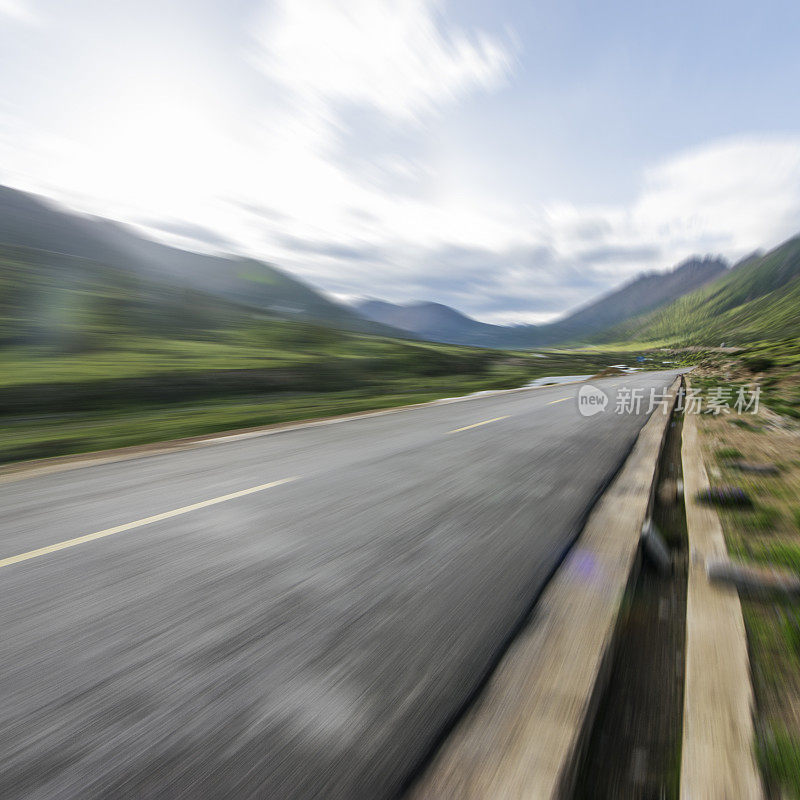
<point>441,323</point>
<point>434,322</point>
<point>61,271</point>
<point>27,221</point>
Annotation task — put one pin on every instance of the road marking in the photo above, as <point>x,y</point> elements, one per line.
<point>478,424</point>
<point>90,537</point>
<point>560,400</point>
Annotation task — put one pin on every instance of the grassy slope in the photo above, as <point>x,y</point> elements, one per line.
<point>27,221</point>
<point>759,300</point>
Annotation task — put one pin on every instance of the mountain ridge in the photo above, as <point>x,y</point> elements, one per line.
<point>643,293</point>
<point>38,224</point>
<point>759,298</point>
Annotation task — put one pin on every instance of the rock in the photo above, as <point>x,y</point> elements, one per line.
<point>761,469</point>
<point>753,579</point>
<point>729,496</point>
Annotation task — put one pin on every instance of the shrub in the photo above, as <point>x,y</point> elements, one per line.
<point>727,453</point>
<point>759,363</point>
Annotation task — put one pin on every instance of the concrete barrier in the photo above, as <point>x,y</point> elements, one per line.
<point>525,733</point>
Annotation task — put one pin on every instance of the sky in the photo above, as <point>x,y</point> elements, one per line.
<point>512,158</point>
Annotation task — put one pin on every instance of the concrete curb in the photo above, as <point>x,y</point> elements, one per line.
<point>525,733</point>
<point>717,758</point>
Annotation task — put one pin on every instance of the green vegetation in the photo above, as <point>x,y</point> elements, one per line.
<point>757,300</point>
<point>741,423</point>
<point>781,554</point>
<point>60,434</point>
<point>123,260</point>
<point>779,757</point>
<point>727,453</point>
<point>778,375</point>
<point>74,413</point>
<point>763,517</point>
<point>758,363</point>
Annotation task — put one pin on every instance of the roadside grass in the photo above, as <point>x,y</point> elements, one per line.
<point>727,453</point>
<point>280,345</point>
<point>773,366</point>
<point>53,435</point>
<point>138,390</point>
<point>779,757</point>
<point>769,533</point>
<point>744,424</point>
<point>764,518</point>
<point>781,554</point>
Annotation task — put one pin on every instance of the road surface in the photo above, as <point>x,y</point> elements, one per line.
<point>293,615</point>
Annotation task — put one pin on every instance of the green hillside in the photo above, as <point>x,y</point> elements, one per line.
<point>73,305</point>
<point>30,222</point>
<point>97,335</point>
<point>757,300</point>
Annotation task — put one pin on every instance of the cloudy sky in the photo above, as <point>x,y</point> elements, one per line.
<point>511,158</point>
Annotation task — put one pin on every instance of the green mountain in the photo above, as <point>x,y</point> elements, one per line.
<point>645,292</point>
<point>759,299</point>
<point>30,222</point>
<point>74,305</point>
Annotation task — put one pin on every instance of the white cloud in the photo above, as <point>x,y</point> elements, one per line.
<point>18,10</point>
<point>394,56</point>
<point>398,60</point>
<point>730,197</point>
<point>293,179</point>
<point>738,193</point>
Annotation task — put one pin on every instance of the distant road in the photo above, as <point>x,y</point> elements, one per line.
<point>294,615</point>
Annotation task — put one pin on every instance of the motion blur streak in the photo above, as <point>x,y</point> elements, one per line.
<point>310,641</point>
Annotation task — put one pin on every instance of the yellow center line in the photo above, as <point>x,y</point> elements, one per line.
<point>560,400</point>
<point>478,424</point>
<point>90,537</point>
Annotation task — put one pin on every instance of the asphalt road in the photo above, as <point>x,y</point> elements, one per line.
<point>308,638</point>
